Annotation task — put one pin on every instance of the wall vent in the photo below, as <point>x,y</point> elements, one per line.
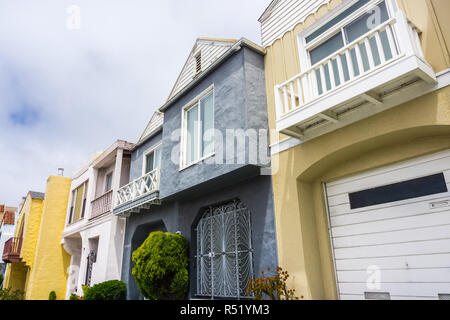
<point>377,296</point>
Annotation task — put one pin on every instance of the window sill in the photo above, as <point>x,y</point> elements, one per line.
<point>197,162</point>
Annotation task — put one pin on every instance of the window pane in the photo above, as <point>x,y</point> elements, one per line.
<point>336,20</point>
<point>207,118</point>
<point>149,162</point>
<point>192,135</point>
<point>327,48</point>
<point>366,22</point>
<point>157,156</point>
<point>108,182</point>
<point>78,203</point>
<point>410,189</point>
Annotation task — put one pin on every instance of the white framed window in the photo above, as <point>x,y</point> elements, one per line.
<point>108,182</point>
<point>152,159</point>
<point>78,204</point>
<point>197,137</point>
<point>343,26</point>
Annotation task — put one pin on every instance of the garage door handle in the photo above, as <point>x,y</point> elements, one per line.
<point>439,204</point>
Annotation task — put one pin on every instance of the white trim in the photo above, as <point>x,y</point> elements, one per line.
<point>443,78</point>
<point>147,152</point>
<point>191,104</point>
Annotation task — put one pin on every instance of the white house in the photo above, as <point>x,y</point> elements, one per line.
<point>93,235</point>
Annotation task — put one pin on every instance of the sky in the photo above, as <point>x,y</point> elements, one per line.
<point>71,84</point>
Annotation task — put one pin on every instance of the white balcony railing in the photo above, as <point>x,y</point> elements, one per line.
<point>392,40</point>
<point>138,188</point>
<point>101,205</point>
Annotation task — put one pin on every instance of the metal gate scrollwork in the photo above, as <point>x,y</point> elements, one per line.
<point>224,251</point>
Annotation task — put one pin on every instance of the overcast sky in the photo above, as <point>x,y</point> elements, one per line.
<point>67,93</point>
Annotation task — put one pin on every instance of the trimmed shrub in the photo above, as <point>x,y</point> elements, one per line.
<point>73,296</point>
<point>109,290</point>
<point>160,266</point>
<point>52,295</point>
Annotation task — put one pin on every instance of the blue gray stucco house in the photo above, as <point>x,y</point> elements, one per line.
<point>212,190</point>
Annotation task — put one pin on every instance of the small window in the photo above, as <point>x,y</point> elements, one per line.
<point>199,126</point>
<point>108,182</point>
<point>399,191</point>
<point>198,62</point>
<point>152,160</point>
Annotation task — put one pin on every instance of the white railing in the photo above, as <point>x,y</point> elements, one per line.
<point>101,205</point>
<point>142,186</point>
<point>391,40</point>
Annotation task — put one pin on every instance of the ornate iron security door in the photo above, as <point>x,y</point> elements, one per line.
<point>224,251</point>
<point>91,259</point>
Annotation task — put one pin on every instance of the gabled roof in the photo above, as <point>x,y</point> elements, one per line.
<point>211,49</point>
<point>268,10</point>
<point>236,46</point>
<point>153,126</point>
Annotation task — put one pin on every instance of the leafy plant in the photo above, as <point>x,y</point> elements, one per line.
<point>275,287</point>
<point>52,295</point>
<point>8,294</point>
<point>73,296</point>
<point>160,266</point>
<point>108,290</point>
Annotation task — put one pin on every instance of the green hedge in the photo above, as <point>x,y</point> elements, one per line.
<point>109,290</point>
<point>160,266</point>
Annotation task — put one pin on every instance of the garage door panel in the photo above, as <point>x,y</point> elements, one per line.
<point>407,290</point>
<point>389,177</point>
<point>413,262</point>
<point>417,204</point>
<point>432,233</point>
<point>393,212</point>
<point>408,163</point>
<point>405,223</point>
<point>389,250</point>
<point>439,275</point>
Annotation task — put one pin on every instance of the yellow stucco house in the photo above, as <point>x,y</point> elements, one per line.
<point>359,106</point>
<point>37,262</point>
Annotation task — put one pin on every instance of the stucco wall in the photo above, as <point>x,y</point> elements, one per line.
<point>239,103</point>
<point>413,129</point>
<point>183,216</point>
<point>51,261</point>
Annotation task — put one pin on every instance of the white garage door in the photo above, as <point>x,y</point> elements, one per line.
<point>390,230</point>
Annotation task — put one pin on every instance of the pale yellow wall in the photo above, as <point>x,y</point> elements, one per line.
<point>51,261</point>
<point>31,219</point>
<point>406,131</point>
<point>431,16</point>
<point>17,274</point>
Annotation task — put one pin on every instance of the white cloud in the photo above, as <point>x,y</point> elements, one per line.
<point>97,84</point>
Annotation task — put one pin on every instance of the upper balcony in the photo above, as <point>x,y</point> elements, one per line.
<point>11,251</point>
<point>354,81</point>
<point>138,194</point>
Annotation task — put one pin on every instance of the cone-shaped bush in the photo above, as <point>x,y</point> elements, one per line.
<point>160,266</point>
